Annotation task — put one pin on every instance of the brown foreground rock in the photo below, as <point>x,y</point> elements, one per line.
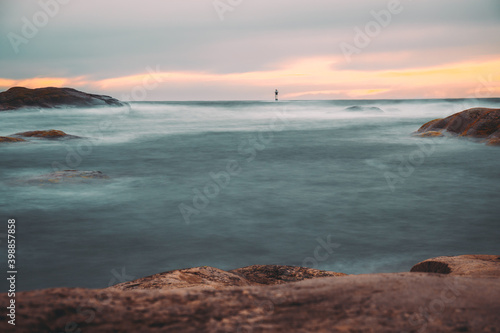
<point>481,123</point>
<point>395,302</point>
<point>466,265</point>
<point>50,97</point>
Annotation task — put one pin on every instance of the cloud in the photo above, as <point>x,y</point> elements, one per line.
<point>118,40</point>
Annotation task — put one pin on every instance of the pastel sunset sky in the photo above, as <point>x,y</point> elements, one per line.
<point>244,49</point>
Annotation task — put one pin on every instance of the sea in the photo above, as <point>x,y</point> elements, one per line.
<point>340,185</point>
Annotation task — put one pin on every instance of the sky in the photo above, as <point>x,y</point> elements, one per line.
<point>245,49</point>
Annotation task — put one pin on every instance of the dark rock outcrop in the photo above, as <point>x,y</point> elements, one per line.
<point>46,134</point>
<point>20,97</point>
<point>276,274</point>
<point>466,265</point>
<point>197,277</point>
<point>214,278</point>
<point>10,139</point>
<point>480,123</point>
<point>66,176</point>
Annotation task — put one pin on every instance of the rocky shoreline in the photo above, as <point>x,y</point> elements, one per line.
<point>464,296</point>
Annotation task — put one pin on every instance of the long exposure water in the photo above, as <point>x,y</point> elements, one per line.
<point>231,184</point>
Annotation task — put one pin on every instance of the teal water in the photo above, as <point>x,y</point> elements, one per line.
<point>231,184</point>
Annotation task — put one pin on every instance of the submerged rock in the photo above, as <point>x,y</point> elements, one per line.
<point>48,134</point>
<point>50,97</point>
<point>364,108</point>
<point>469,265</point>
<point>10,139</point>
<point>481,123</point>
<point>66,176</point>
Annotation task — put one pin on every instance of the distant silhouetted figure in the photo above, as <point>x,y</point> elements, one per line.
<point>276,95</point>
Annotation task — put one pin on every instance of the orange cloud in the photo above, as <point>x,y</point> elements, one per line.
<point>38,82</point>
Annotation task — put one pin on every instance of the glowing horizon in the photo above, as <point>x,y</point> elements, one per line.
<point>376,84</point>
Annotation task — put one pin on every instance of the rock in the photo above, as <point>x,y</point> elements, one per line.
<point>467,265</point>
<point>425,127</point>
<point>395,302</point>
<point>200,277</point>
<point>48,134</point>
<point>66,176</point>
<point>20,97</point>
<point>493,142</point>
<point>364,108</point>
<point>10,139</point>
<point>430,134</point>
<point>276,274</point>
<point>479,123</point>
<point>214,278</point>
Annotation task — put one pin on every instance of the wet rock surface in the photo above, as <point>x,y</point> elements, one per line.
<point>45,134</point>
<point>479,123</point>
<point>430,134</point>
